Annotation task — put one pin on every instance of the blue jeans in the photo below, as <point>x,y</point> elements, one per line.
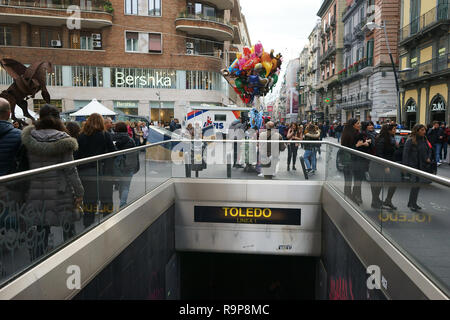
<point>438,151</point>
<point>338,136</point>
<point>444,151</point>
<point>124,188</point>
<point>310,159</point>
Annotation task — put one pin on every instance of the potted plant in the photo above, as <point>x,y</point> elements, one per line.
<point>107,5</point>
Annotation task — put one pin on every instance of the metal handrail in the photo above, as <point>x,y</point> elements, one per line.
<point>64,165</point>
<point>423,174</point>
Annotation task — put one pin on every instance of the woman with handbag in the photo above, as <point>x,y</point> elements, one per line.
<point>417,154</point>
<point>52,197</point>
<point>294,133</point>
<point>97,176</point>
<point>381,175</point>
<point>125,166</point>
<point>353,173</point>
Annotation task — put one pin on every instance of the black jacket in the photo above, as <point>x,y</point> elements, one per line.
<point>94,145</point>
<point>386,150</point>
<point>416,155</point>
<point>434,134</point>
<point>10,142</point>
<point>128,163</point>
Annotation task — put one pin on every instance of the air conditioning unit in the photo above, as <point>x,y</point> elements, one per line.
<point>189,52</point>
<point>189,45</point>
<point>56,43</point>
<point>96,36</point>
<point>97,44</point>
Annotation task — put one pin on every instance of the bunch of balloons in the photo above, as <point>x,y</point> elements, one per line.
<point>254,72</point>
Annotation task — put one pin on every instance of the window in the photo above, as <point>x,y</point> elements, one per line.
<point>5,78</point>
<point>86,42</point>
<point>154,8</point>
<point>203,80</point>
<point>132,39</point>
<point>5,36</point>
<point>413,61</point>
<point>131,6</point>
<point>47,36</point>
<point>86,76</point>
<point>220,117</point>
<point>154,43</point>
<point>370,52</point>
<point>39,103</point>
<point>55,78</point>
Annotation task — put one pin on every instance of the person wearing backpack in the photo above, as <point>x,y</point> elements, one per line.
<point>10,140</point>
<point>125,166</point>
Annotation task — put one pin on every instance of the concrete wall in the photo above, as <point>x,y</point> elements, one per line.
<point>146,269</point>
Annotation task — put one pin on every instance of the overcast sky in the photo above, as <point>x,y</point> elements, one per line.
<point>282,25</point>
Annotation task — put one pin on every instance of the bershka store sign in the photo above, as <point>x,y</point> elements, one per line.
<point>143,78</point>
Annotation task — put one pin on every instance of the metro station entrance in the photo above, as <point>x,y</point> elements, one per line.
<point>219,276</point>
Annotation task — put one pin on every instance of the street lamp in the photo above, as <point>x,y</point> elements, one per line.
<point>372,26</point>
<point>159,110</point>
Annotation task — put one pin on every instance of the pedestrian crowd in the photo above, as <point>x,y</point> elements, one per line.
<point>59,198</point>
<point>423,150</point>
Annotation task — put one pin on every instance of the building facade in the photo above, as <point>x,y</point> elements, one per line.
<point>331,59</point>
<point>313,74</point>
<point>149,58</point>
<point>424,55</point>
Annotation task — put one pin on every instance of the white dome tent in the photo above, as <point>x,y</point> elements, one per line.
<point>93,107</point>
<point>18,112</point>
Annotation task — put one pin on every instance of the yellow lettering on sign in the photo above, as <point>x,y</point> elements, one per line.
<point>267,213</point>
<point>392,218</point>
<point>412,218</point>
<point>258,212</point>
<point>402,218</point>
<point>420,220</point>
<point>240,213</point>
<point>226,211</point>
<point>249,212</point>
<point>235,210</point>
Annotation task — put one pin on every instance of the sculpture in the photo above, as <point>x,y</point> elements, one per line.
<point>27,82</point>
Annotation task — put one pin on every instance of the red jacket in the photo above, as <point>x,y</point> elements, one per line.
<point>447,135</point>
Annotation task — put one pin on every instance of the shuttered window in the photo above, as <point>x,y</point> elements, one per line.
<point>155,42</point>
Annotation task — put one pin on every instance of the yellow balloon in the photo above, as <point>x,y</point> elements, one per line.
<point>253,49</point>
<point>268,67</point>
<point>238,55</point>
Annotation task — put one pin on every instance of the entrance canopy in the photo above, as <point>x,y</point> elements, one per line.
<point>93,107</point>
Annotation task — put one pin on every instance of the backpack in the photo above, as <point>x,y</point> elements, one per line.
<point>20,163</point>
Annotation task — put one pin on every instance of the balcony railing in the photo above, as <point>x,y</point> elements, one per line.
<point>428,68</point>
<point>432,17</point>
<point>92,5</point>
<point>202,17</point>
<point>353,71</point>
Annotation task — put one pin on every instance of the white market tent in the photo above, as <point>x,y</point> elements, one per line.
<point>18,112</point>
<point>93,107</point>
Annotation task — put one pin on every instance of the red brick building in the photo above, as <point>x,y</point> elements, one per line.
<point>150,58</point>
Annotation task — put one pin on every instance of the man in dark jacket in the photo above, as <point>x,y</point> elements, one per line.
<point>10,139</point>
<point>435,136</point>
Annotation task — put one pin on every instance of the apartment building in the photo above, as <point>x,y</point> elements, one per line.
<point>149,58</point>
<point>313,74</point>
<point>331,61</point>
<point>424,56</point>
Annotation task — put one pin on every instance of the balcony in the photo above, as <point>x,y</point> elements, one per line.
<point>426,24</point>
<point>351,102</point>
<point>428,70</point>
<point>200,25</point>
<point>356,71</point>
<point>96,15</point>
<point>222,4</point>
<point>331,50</point>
